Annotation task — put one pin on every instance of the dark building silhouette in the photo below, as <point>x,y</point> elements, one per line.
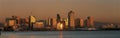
<point>77,23</point>
<point>58,18</point>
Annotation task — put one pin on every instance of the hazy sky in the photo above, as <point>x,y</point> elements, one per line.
<point>101,10</point>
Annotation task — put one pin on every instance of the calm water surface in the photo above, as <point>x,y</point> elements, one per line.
<point>62,34</point>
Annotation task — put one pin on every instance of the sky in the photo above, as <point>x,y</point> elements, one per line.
<point>101,10</point>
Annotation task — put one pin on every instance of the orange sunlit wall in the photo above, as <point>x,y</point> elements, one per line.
<point>54,20</point>
<point>71,19</point>
<point>81,22</point>
<point>90,21</point>
<point>12,22</point>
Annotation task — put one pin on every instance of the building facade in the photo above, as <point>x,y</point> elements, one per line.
<point>90,21</point>
<point>71,20</point>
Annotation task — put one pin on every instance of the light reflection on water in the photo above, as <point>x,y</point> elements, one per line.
<point>12,36</point>
<point>62,34</point>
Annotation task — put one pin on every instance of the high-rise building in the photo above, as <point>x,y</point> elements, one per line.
<point>58,18</point>
<point>81,22</point>
<point>54,23</point>
<point>90,21</point>
<point>32,20</point>
<point>66,22</point>
<point>77,23</point>
<point>49,22</point>
<point>71,20</point>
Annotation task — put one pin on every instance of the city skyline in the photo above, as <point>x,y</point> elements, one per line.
<point>101,10</point>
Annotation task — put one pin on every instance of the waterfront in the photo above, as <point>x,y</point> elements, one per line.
<point>62,34</point>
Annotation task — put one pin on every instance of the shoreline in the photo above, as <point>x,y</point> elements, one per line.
<point>59,30</point>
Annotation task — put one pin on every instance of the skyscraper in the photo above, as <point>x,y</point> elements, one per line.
<point>32,20</point>
<point>71,20</point>
<point>90,21</point>
<point>58,18</point>
<point>49,22</point>
<point>66,22</point>
<point>79,22</point>
<point>54,23</point>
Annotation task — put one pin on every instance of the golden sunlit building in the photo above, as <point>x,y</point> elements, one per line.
<point>32,20</point>
<point>39,25</point>
<point>12,22</point>
<point>66,22</point>
<point>71,20</point>
<point>54,23</point>
<point>60,26</point>
<point>81,22</point>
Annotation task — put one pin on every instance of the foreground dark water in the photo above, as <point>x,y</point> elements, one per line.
<point>62,34</point>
